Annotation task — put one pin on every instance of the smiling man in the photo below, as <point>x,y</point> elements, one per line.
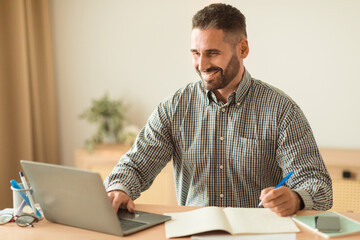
<point>232,138</point>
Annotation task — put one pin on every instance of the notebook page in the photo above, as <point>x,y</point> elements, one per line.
<point>196,221</point>
<point>258,220</point>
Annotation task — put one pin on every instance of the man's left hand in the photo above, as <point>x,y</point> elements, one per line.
<point>283,201</point>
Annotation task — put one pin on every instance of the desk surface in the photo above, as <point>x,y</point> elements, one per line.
<point>47,230</point>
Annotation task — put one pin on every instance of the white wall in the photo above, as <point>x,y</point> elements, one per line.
<point>138,50</point>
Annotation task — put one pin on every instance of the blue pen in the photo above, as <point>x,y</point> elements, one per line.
<point>280,183</point>
<point>16,185</point>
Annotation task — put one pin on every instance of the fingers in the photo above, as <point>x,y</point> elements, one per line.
<point>265,191</point>
<point>115,202</point>
<point>120,199</point>
<point>111,195</point>
<point>283,201</point>
<point>273,198</point>
<point>130,206</point>
<point>284,212</point>
<point>282,209</point>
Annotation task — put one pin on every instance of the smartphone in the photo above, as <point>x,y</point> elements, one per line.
<point>328,223</point>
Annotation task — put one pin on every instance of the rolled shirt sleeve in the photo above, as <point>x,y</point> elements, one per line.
<point>297,151</point>
<point>152,150</point>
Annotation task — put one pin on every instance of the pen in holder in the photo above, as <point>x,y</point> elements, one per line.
<point>18,201</point>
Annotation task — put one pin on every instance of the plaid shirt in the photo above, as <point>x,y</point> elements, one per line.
<point>225,154</point>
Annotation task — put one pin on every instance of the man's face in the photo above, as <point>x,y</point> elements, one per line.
<point>215,60</point>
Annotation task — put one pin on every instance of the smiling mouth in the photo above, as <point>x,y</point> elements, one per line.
<point>208,74</point>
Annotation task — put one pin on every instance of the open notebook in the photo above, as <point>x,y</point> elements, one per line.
<point>231,220</point>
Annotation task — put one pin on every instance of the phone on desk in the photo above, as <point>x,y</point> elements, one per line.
<point>328,223</point>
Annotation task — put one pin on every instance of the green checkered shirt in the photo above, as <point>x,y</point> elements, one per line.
<point>225,154</point>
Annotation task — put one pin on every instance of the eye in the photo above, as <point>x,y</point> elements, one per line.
<point>213,53</point>
<point>195,53</point>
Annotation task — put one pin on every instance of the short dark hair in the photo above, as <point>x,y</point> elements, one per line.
<point>221,16</point>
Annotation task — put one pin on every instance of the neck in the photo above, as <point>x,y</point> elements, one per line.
<point>224,93</point>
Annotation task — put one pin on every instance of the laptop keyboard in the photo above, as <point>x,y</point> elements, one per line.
<point>128,224</point>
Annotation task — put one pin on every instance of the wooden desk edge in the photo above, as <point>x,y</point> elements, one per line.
<point>45,229</point>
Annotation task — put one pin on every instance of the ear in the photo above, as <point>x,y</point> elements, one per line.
<point>243,48</point>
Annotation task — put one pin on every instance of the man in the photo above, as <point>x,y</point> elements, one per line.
<point>231,137</point>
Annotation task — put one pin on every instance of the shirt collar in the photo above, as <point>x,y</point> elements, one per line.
<point>243,87</point>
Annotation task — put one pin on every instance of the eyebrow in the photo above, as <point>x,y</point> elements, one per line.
<point>207,50</point>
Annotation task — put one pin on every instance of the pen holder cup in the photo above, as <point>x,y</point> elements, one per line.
<point>18,201</point>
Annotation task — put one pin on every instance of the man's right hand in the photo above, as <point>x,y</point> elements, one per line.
<point>120,199</point>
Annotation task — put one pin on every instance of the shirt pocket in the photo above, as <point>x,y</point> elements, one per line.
<point>254,159</point>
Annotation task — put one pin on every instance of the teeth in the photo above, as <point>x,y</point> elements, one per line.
<point>208,74</point>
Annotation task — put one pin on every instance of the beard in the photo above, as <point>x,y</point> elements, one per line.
<point>226,76</point>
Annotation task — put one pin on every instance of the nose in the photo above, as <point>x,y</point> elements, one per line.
<point>203,63</point>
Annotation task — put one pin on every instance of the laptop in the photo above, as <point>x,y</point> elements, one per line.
<point>77,198</point>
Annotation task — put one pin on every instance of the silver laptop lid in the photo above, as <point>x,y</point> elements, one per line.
<point>72,197</point>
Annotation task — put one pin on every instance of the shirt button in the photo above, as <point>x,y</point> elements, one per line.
<point>221,167</point>
<point>221,138</point>
<point>221,195</point>
<point>223,109</point>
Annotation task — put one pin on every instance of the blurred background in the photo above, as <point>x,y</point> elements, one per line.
<point>56,56</point>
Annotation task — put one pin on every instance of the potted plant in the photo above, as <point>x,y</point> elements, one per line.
<point>110,117</point>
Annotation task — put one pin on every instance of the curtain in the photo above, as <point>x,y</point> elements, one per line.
<point>28,111</point>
